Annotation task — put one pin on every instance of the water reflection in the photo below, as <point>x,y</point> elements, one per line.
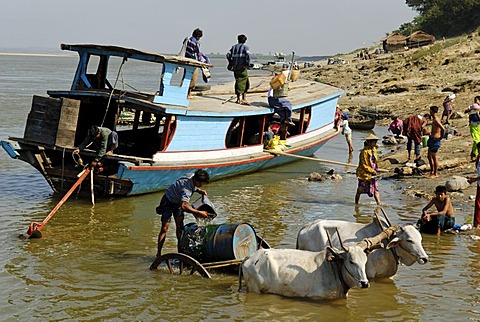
<point>390,307</point>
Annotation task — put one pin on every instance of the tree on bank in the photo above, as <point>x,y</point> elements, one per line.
<point>444,17</point>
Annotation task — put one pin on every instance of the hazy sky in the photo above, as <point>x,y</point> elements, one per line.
<point>308,27</point>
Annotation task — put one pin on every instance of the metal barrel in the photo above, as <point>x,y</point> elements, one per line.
<point>218,242</point>
<point>231,241</point>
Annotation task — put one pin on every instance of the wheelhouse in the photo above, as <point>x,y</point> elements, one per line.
<point>136,111</point>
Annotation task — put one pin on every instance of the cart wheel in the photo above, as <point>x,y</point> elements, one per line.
<point>179,264</point>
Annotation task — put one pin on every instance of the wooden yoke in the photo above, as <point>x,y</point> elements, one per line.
<point>372,243</point>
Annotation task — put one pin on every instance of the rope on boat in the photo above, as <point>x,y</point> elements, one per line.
<point>79,162</point>
<point>113,89</point>
<point>63,168</point>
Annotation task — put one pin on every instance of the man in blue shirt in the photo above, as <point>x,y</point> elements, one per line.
<point>239,58</point>
<point>175,202</point>
<point>192,50</point>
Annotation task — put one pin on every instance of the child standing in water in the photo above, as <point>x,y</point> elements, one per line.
<point>367,170</point>
<point>347,131</point>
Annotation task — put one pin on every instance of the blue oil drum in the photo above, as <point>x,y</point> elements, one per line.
<point>213,243</point>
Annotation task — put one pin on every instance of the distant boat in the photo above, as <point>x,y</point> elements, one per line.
<point>256,65</point>
<point>363,125</point>
<point>170,134</point>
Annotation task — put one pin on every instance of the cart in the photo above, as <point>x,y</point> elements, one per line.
<point>202,248</point>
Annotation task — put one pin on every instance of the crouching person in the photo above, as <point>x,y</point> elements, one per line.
<point>443,218</point>
<point>101,139</point>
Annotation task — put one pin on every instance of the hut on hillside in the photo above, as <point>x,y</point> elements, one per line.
<point>394,41</point>
<point>419,39</point>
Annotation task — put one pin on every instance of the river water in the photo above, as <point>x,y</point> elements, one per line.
<point>92,262</point>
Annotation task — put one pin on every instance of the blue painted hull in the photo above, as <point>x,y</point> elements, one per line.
<point>155,178</point>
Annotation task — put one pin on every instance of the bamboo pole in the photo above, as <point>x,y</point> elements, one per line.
<point>317,159</point>
<point>250,91</point>
<point>34,228</point>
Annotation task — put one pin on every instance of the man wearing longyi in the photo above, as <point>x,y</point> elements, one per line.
<point>239,58</point>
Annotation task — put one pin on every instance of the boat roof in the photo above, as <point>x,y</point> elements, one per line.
<point>112,50</point>
<point>220,99</point>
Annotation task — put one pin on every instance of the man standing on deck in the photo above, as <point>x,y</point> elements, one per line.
<point>175,201</point>
<point>239,59</point>
<point>191,46</point>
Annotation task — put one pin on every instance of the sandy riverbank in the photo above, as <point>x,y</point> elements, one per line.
<point>407,83</point>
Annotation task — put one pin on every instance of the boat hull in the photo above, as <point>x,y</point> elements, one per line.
<point>132,179</point>
<point>147,179</point>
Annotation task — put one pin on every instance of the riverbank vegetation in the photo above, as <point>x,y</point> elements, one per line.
<point>443,18</point>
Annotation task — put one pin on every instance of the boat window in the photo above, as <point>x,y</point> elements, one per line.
<point>92,64</point>
<point>134,75</point>
<point>301,119</point>
<point>244,131</point>
<point>167,131</point>
<point>304,117</point>
<point>96,72</point>
<point>178,77</point>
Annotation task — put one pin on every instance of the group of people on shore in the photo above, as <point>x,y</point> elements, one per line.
<point>431,222</point>
<point>413,128</point>
<point>473,112</point>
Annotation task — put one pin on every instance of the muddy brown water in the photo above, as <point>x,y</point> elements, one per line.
<point>92,262</point>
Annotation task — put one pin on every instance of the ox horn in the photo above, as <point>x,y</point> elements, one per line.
<point>341,242</point>
<point>329,238</point>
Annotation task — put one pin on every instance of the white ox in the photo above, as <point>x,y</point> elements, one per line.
<point>328,274</point>
<point>406,247</point>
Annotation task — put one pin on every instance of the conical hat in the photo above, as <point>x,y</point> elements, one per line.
<point>371,137</point>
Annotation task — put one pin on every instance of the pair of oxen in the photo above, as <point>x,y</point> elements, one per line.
<point>327,266</point>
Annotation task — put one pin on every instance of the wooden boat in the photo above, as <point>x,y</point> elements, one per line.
<point>363,125</point>
<point>208,131</point>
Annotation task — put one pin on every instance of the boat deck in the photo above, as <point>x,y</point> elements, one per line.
<point>300,92</point>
